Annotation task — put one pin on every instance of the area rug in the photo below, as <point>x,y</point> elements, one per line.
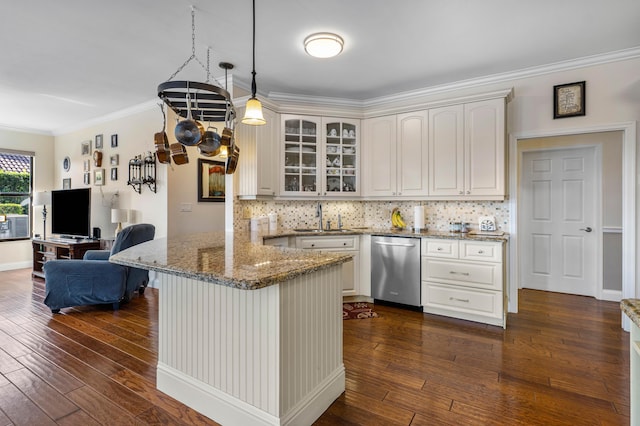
<point>358,310</point>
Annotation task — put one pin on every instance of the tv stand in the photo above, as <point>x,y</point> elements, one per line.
<point>58,248</point>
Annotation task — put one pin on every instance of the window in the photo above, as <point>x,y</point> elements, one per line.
<point>15,195</point>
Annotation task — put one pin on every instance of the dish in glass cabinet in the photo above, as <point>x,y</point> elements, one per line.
<point>307,149</point>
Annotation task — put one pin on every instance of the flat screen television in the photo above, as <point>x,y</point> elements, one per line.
<point>71,213</point>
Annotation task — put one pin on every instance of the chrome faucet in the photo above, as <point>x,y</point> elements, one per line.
<point>319,215</point>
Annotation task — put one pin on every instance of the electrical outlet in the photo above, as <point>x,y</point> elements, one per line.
<point>246,213</point>
<point>185,207</point>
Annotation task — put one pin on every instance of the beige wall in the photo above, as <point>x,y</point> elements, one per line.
<point>18,254</point>
<point>135,137</point>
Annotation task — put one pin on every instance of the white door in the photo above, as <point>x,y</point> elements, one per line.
<point>560,221</point>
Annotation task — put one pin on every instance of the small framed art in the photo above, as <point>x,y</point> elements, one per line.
<point>87,165</point>
<point>114,160</point>
<point>569,100</point>
<point>98,177</point>
<point>114,141</point>
<point>98,141</point>
<point>66,183</point>
<point>114,173</point>
<point>87,178</point>
<point>85,148</point>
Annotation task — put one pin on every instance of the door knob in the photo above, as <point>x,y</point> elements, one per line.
<point>587,229</point>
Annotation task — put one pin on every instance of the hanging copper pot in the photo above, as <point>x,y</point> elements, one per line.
<point>232,161</point>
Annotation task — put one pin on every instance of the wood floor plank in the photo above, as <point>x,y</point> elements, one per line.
<point>562,360</point>
<point>47,398</point>
<point>20,409</point>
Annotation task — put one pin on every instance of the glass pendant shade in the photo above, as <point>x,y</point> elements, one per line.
<point>253,113</point>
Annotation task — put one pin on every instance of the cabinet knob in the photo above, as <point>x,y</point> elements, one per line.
<point>439,248</point>
<point>393,193</point>
<point>313,245</point>
<point>399,193</point>
<point>461,192</point>
<point>468,192</point>
<point>480,251</point>
<point>344,244</point>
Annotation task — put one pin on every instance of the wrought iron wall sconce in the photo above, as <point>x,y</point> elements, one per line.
<point>142,171</point>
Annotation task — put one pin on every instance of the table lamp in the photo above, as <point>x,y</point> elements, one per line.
<point>43,199</point>
<point>118,216</point>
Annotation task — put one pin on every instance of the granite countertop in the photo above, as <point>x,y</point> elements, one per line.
<point>631,307</point>
<point>232,259</point>
<point>389,232</point>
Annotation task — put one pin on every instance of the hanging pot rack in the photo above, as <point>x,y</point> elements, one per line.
<point>209,102</point>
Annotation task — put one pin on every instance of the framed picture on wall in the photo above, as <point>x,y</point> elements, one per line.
<point>114,141</point>
<point>66,183</point>
<point>98,141</point>
<point>114,173</point>
<point>98,177</point>
<point>87,178</point>
<point>569,100</point>
<point>85,148</point>
<point>211,180</point>
<point>114,160</point>
<point>87,165</point>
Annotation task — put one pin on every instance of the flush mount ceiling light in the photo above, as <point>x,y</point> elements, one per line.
<point>323,45</point>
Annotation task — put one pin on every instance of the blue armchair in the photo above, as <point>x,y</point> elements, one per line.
<point>94,280</point>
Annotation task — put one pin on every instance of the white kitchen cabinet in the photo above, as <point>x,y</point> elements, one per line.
<point>320,157</point>
<point>258,167</point>
<point>344,244</point>
<point>396,155</point>
<point>467,150</point>
<point>340,153</point>
<point>300,143</point>
<point>464,279</point>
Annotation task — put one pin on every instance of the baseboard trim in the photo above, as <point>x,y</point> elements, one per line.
<point>15,265</point>
<point>611,295</point>
<point>226,409</point>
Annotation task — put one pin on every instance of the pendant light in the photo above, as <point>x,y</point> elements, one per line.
<point>253,110</point>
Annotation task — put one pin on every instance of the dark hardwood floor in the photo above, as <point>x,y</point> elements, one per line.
<point>562,360</point>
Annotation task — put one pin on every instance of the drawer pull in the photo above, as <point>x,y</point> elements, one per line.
<point>459,300</point>
<point>439,248</point>
<point>466,274</point>
<point>480,251</point>
<point>344,244</point>
<point>313,245</point>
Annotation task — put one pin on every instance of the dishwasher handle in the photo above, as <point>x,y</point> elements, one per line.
<point>383,243</point>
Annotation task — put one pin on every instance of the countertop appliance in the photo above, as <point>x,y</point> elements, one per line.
<point>395,270</point>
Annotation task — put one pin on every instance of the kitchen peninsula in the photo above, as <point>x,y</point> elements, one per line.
<point>248,334</point>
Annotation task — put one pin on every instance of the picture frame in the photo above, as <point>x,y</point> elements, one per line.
<point>211,180</point>
<point>86,165</point>
<point>114,160</point>
<point>569,100</point>
<point>85,148</point>
<point>98,141</point>
<point>66,164</point>
<point>114,141</point>
<point>66,183</point>
<point>87,178</point>
<point>114,173</point>
<point>98,177</point>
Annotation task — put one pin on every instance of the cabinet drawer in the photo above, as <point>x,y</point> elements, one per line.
<point>472,301</point>
<point>327,243</point>
<point>440,248</point>
<point>481,250</point>
<point>471,274</point>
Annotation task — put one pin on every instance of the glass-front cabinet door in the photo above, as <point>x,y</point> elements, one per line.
<point>340,157</point>
<point>301,154</point>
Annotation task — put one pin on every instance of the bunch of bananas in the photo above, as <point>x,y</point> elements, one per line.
<point>396,219</point>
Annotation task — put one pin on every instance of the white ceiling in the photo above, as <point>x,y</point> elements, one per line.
<point>65,62</point>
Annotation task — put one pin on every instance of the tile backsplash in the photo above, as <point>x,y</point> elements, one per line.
<point>374,214</point>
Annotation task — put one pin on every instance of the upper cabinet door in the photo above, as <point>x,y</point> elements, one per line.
<point>412,149</point>
<point>300,155</point>
<point>485,148</point>
<point>341,157</point>
<point>446,151</point>
<point>379,147</point>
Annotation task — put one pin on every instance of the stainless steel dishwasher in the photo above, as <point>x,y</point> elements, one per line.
<point>395,269</point>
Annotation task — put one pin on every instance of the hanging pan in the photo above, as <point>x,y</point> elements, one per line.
<point>210,142</point>
<point>188,131</point>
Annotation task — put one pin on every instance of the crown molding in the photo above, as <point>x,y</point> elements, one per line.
<point>26,130</point>
<point>145,106</point>
<point>413,98</point>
